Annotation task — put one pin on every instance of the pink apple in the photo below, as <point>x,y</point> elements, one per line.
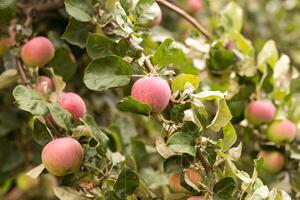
<point>281,132</point>
<point>72,103</point>
<point>37,52</point>
<point>194,6</point>
<point>153,91</point>
<point>62,156</point>
<point>273,161</point>
<point>260,111</point>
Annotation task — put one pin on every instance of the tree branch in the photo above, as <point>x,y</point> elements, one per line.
<point>21,71</point>
<point>188,17</point>
<point>208,168</point>
<point>149,65</point>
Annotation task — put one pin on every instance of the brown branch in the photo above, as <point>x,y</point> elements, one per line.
<point>21,70</point>
<point>208,168</point>
<point>188,17</point>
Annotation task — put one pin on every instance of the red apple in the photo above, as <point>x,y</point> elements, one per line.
<point>174,183</point>
<point>44,85</point>
<point>194,176</point>
<point>62,156</point>
<point>194,6</point>
<point>258,112</point>
<point>273,161</point>
<point>281,132</point>
<point>37,52</point>
<point>72,103</point>
<point>153,91</point>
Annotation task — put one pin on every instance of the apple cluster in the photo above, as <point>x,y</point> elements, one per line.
<point>280,132</point>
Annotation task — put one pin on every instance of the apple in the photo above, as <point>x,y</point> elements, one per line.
<point>281,132</point>
<point>44,85</point>
<point>194,6</point>
<point>194,176</point>
<point>153,91</point>
<point>273,161</point>
<point>260,111</point>
<point>72,103</point>
<point>62,156</point>
<point>174,183</point>
<point>37,52</point>
<point>26,183</point>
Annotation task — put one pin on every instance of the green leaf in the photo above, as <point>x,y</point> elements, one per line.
<point>121,18</point>
<point>182,143</point>
<point>127,183</point>
<point>98,45</point>
<point>268,55</point>
<point>39,131</point>
<point>96,132</point>
<point>230,136</point>
<point>222,117</point>
<point>107,72</point>
<point>177,163</point>
<point>7,10</point>
<point>179,82</point>
<point>60,116</point>
<point>76,32</point>
<point>223,189</point>
<point>130,104</point>
<point>63,63</point>
<point>111,195</point>
<point>81,10</point>
<point>146,11</point>
<point>8,78</point>
<point>261,193</point>
<point>220,58</point>
<point>30,100</point>
<point>168,54</point>
<point>232,17</point>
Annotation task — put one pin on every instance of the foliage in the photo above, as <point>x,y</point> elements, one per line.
<point>101,48</point>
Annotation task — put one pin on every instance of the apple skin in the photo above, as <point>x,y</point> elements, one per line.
<point>153,91</point>
<point>260,111</point>
<point>62,156</point>
<point>194,176</point>
<point>194,6</point>
<point>72,103</point>
<point>281,132</point>
<point>174,183</point>
<point>273,161</point>
<point>37,52</point>
<point>44,85</point>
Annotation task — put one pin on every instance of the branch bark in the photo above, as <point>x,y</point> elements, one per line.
<point>185,15</point>
<point>208,168</point>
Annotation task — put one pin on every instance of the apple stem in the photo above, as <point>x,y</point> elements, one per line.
<point>187,16</point>
<point>204,162</point>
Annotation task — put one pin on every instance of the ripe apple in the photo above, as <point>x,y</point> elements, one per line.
<point>37,52</point>
<point>273,161</point>
<point>153,91</point>
<point>174,183</point>
<point>194,176</point>
<point>260,111</point>
<point>281,132</point>
<point>62,156</point>
<point>72,103</point>
<point>194,6</point>
<point>44,85</point>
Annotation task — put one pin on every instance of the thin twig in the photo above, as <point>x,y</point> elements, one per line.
<point>188,17</point>
<point>204,162</point>
<point>21,71</point>
<point>149,65</point>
